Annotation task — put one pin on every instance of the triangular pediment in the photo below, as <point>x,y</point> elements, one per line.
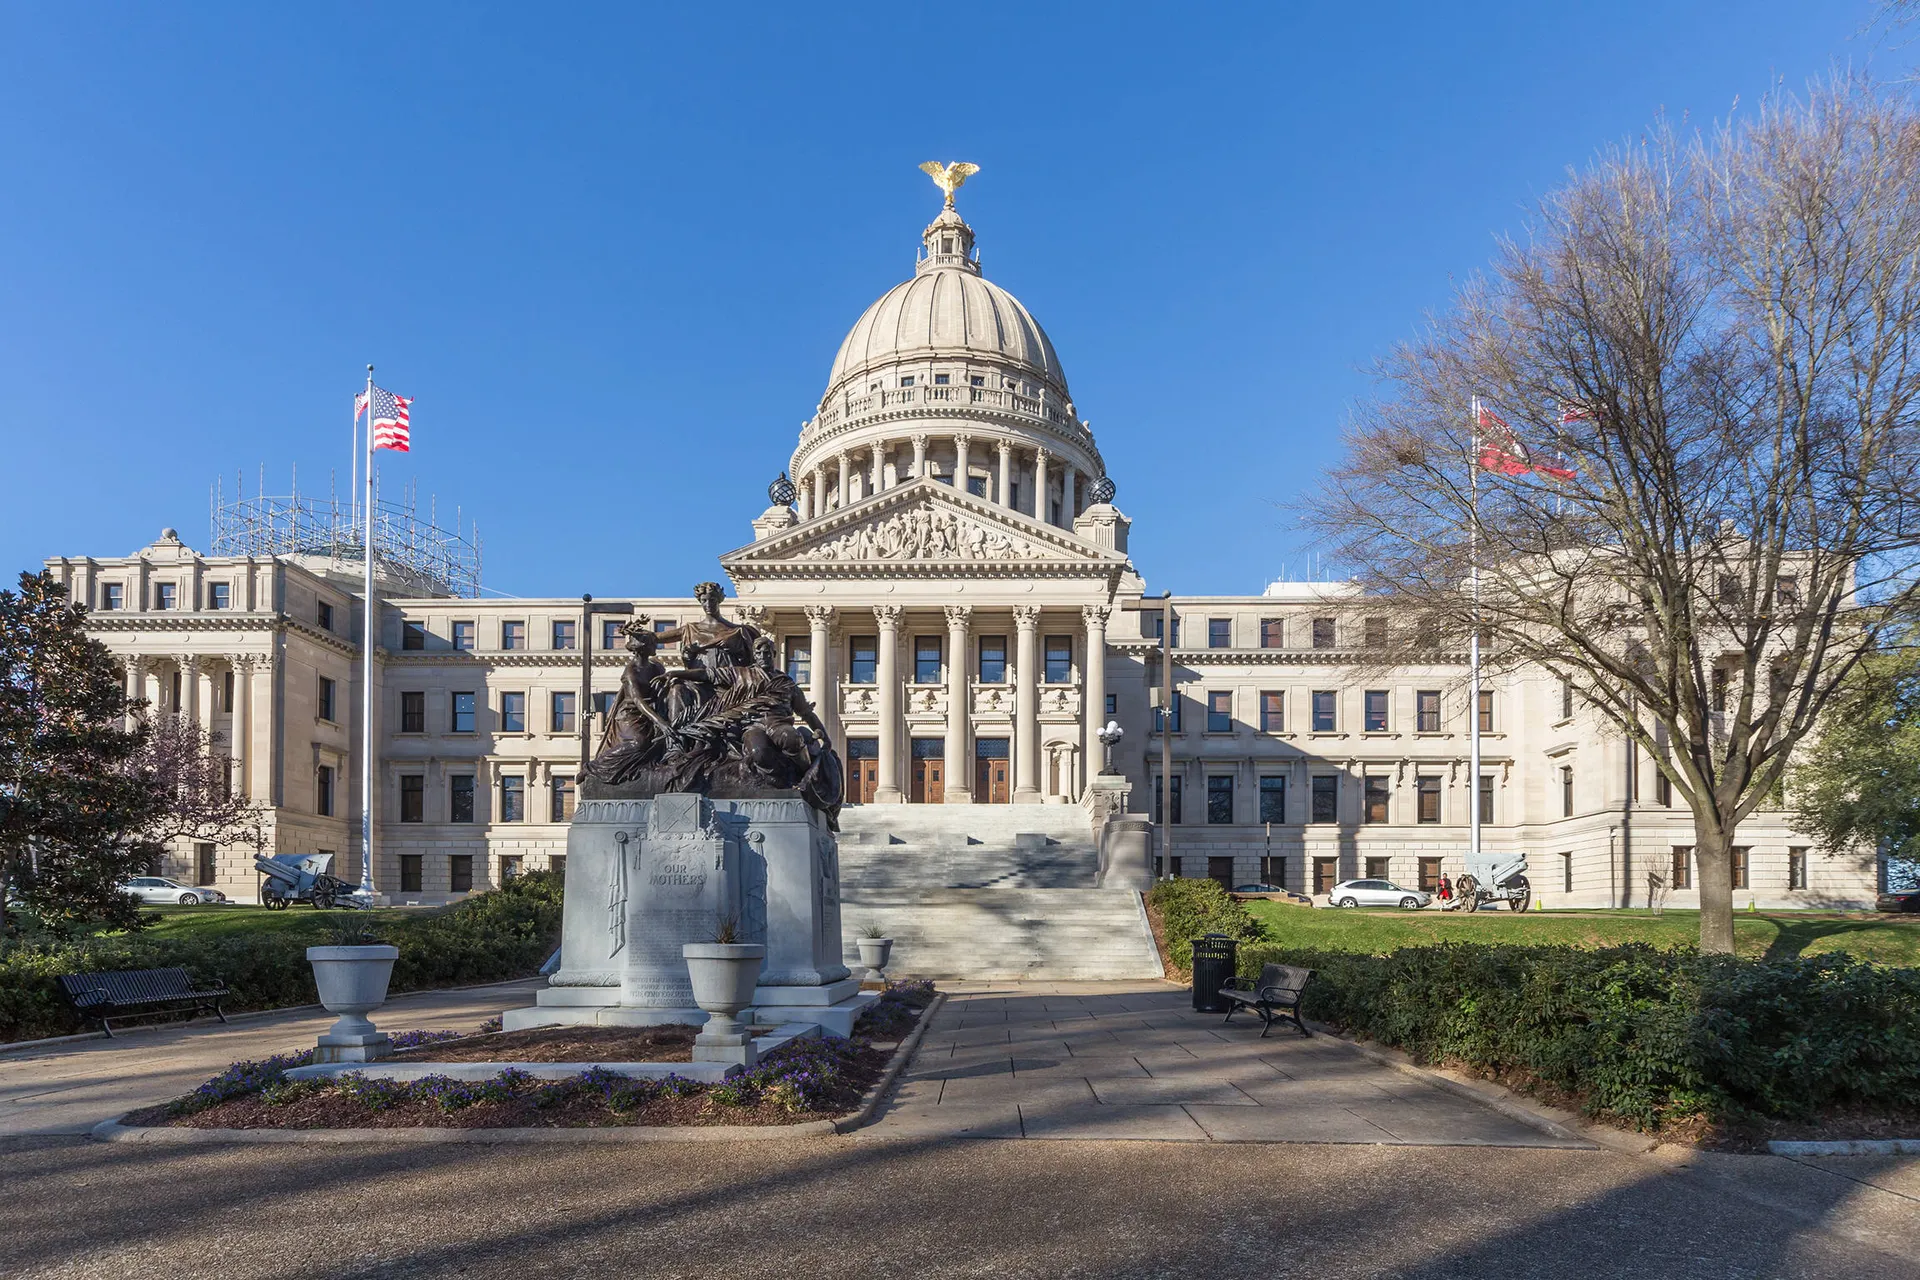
<point>918,528</point>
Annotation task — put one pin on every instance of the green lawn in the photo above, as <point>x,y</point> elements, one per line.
<point>1775,934</point>
<point>296,921</point>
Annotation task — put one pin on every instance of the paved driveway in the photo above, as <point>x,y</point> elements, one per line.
<point>1133,1060</point>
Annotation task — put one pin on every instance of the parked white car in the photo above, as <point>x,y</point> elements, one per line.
<point>155,889</point>
<point>1377,893</point>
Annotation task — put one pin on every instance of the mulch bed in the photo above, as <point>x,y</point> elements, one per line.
<point>563,1044</point>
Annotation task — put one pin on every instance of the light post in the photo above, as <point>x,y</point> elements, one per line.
<point>588,611</point>
<point>1109,737</point>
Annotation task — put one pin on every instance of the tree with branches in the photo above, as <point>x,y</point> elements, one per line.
<point>198,799</point>
<point>1695,498</point>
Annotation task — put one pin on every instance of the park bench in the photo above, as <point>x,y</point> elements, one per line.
<point>126,993</point>
<point>1274,996</point>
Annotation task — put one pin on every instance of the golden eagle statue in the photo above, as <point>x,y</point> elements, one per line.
<point>949,177</point>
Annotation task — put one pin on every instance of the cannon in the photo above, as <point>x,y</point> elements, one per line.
<point>287,878</point>
<point>1491,878</point>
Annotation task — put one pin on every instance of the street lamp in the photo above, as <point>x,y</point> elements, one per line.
<point>1108,737</point>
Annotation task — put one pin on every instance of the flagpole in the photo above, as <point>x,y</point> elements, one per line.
<point>366,680</point>
<point>1473,647</point>
<point>353,485</point>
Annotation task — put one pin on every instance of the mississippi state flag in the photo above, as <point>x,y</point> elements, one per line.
<point>1502,451</point>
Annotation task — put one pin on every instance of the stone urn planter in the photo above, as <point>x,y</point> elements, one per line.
<point>723,975</point>
<point>353,983</point>
<point>874,953</point>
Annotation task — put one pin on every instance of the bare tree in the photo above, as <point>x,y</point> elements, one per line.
<point>1719,337</point>
<point>199,800</point>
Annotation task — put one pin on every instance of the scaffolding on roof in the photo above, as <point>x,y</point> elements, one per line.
<point>412,556</point>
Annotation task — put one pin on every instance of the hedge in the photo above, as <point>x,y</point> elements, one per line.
<point>1652,1038</point>
<point>505,933</point>
<point>1189,909</point>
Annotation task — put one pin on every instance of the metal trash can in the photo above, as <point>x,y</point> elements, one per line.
<point>1214,959</point>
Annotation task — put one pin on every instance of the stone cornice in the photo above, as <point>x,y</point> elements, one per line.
<point>1282,657</point>
<point>509,658</point>
<point>946,419</point>
<point>217,621</point>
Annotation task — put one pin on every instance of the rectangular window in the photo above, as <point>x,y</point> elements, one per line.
<point>1566,872</point>
<point>327,699</point>
<point>1059,665</point>
<point>1376,629</point>
<point>976,484</point>
<point>1220,711</point>
<point>219,596</point>
<point>603,700</point>
<point>413,636</point>
<point>1273,711</point>
<point>1486,799</point>
<point>461,720</point>
<point>1796,868</point>
<point>511,865</point>
<point>1429,874</point>
<point>1377,868</point>
<point>1273,800</point>
<point>413,798</point>
<point>561,713</point>
<point>610,637</point>
<point>173,699</point>
<point>1719,688</point>
<point>1326,798</point>
<point>993,659</point>
<point>863,659</point>
<point>663,625</point>
<point>941,379</point>
<point>513,798</point>
<point>1158,797</point>
<point>1324,720</point>
<point>1323,633</point>
<point>1786,591</point>
<point>1376,711</point>
<point>460,873</point>
<point>1376,797</point>
<point>165,595</point>
<point>1427,793</point>
<point>203,864</point>
<point>563,799</point>
<point>907,381</point>
<point>112,597</point>
<point>323,791</point>
<point>1737,865</point>
<point>926,659</point>
<point>460,795</point>
<point>409,873</point>
<point>1159,715</point>
<point>463,636</point>
<point>413,712</point>
<point>1426,704</point>
<point>1219,633</point>
<point>1566,791</point>
<point>564,635</point>
<point>1160,628</point>
<point>1566,699</point>
<point>1486,711</point>
<point>1113,705</point>
<point>800,660</point>
<point>226,691</point>
<point>1272,633</point>
<point>1682,869</point>
<point>1220,871</point>
<point>1662,790</point>
<point>1219,800</point>
<point>513,635</point>
<point>323,614</point>
<point>513,713</point>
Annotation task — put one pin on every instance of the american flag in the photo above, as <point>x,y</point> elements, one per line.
<point>389,425</point>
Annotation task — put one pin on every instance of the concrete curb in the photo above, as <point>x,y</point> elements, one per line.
<point>1491,1097</point>
<point>901,1056</point>
<point>114,1131</point>
<point>1846,1147</point>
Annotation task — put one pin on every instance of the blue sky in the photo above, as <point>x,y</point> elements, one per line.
<point>611,250</point>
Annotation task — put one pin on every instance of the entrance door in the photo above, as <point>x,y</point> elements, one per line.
<point>992,773</point>
<point>1326,874</point>
<point>929,782</point>
<point>866,781</point>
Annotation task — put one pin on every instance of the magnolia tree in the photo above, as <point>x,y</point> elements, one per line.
<point>1693,495</point>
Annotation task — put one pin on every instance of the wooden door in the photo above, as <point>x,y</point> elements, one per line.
<point>990,782</point>
<point>1326,874</point>
<point>928,785</point>
<point>866,780</point>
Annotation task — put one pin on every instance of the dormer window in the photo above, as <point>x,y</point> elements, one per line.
<point>907,381</point>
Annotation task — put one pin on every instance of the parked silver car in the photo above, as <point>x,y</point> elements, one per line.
<point>153,889</point>
<point>1377,893</point>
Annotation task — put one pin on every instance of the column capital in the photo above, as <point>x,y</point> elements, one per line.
<point>819,615</point>
<point>958,616</point>
<point>962,441</point>
<point>1026,616</point>
<point>888,616</point>
<point>919,439</point>
<point>190,663</point>
<point>755,615</point>
<point>1096,615</point>
<point>1006,446</point>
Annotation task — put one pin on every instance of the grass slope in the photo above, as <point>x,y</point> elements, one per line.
<point>317,927</point>
<point>1774,935</point>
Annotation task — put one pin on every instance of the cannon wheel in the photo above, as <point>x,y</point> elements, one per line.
<point>1525,890</point>
<point>273,902</point>
<point>1467,889</point>
<point>322,899</point>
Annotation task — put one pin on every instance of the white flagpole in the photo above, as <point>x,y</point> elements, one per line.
<point>366,678</point>
<point>1473,645</point>
<point>353,485</point>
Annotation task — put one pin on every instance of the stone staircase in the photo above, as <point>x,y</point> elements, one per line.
<point>988,891</point>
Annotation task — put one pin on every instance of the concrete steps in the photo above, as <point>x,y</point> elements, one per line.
<point>989,892</point>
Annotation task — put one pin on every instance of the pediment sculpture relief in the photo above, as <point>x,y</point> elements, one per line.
<point>926,533</point>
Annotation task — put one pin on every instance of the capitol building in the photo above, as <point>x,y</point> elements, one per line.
<point>946,566</point>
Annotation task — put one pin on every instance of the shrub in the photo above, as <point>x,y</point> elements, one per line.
<point>1636,1034</point>
<point>1192,908</point>
<point>505,933</point>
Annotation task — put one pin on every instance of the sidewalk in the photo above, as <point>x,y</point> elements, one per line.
<point>67,1089</point>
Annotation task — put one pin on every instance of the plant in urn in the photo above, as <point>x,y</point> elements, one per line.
<point>724,973</point>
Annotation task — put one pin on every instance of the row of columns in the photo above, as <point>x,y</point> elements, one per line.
<point>849,484</point>
<point>199,702</point>
<point>957,755</point>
